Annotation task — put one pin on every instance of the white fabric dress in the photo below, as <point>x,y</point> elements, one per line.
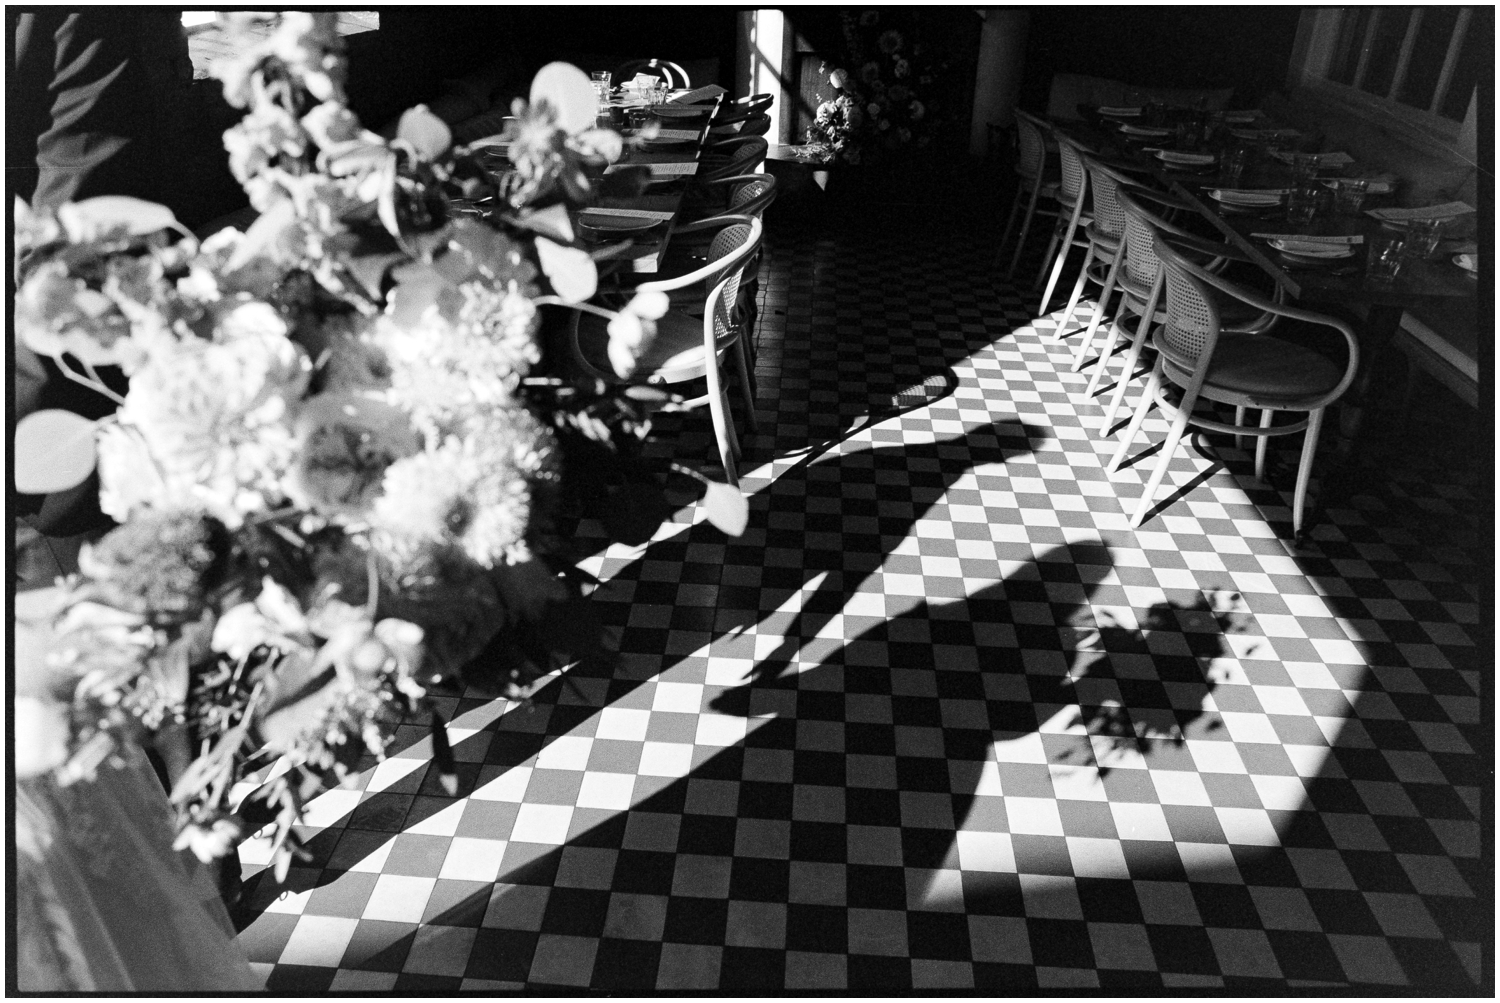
<point>103,902</point>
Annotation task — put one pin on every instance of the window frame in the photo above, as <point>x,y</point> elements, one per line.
<point>1317,42</point>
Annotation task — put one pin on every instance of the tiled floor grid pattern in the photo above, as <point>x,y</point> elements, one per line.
<point>940,721</point>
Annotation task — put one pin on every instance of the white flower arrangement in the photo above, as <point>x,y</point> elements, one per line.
<point>339,451</point>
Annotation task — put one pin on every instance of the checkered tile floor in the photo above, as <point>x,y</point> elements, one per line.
<point>939,720</point>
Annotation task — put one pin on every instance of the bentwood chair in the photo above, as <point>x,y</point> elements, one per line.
<point>674,75</point>
<point>730,157</point>
<point>1071,196</point>
<point>1249,370</point>
<point>1139,281</point>
<point>750,125</point>
<point>1105,234</point>
<point>1033,184</point>
<point>686,347</point>
<point>742,108</point>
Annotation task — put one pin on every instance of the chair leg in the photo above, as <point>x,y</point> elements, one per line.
<point>718,409</point>
<point>1138,419</point>
<point>1114,341</point>
<point>1174,436</point>
<point>1104,295</point>
<point>1260,447</point>
<point>1304,468</point>
<point>1041,272</point>
<point>1131,361</point>
<point>1057,266</point>
<point>1015,207</point>
<point>1015,259</point>
<point>1083,275</point>
<point>1239,419</point>
<point>747,388</point>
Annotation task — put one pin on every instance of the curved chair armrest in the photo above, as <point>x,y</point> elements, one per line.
<point>699,274</point>
<point>1193,242</point>
<point>736,179</point>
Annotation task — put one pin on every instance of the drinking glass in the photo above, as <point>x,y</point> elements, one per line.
<point>1422,236</point>
<point>1383,257</point>
<point>1236,158</point>
<point>1302,203</point>
<point>601,81</point>
<point>1304,166</point>
<point>1349,196</point>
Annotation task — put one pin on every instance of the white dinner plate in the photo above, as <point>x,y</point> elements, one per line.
<point>1186,159</point>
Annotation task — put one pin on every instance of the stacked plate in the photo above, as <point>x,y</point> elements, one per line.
<point>1138,130</point>
<point>1246,201</point>
<point>1188,161</point>
<point>1108,112</point>
<point>604,225</point>
<point>1373,187</point>
<point>1307,252</point>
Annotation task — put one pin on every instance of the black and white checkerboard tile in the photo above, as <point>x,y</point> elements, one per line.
<point>940,720</point>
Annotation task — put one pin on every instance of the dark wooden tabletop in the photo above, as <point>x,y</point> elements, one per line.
<point>1341,282</point>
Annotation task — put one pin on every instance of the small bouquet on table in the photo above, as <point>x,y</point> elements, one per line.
<point>339,465</point>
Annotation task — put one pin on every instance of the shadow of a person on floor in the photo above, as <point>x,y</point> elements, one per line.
<point>919,768</point>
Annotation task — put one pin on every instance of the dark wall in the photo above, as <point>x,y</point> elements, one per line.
<point>1247,48</point>
<point>418,48</point>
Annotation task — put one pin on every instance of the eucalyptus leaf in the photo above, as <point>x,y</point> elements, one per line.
<point>53,450</point>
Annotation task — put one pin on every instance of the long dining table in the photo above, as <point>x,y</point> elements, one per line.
<point>1340,287</point>
<point>673,157</point>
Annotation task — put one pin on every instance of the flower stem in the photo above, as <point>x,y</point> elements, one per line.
<point>93,383</point>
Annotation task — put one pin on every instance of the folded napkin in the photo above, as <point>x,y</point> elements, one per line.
<point>675,135</point>
<point>632,213</point>
<point>1335,159</point>
<point>1122,112</point>
<point>1373,186</point>
<point>1445,211</point>
<point>680,111</point>
<point>663,170</point>
<point>1246,197</point>
<point>1136,130</point>
<point>697,94</point>
<point>1302,238</point>
<point>1264,133</point>
<point>1174,157</point>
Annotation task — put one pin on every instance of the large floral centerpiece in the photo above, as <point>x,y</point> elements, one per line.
<point>883,99</point>
<point>345,440</point>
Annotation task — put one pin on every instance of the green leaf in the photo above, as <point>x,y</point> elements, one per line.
<point>726,507</point>
<point>570,270</point>
<point>53,450</point>
<point>550,222</point>
<point>265,233</point>
<point>428,136</point>
<point>370,269</point>
<point>113,216</point>
<point>417,289</point>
